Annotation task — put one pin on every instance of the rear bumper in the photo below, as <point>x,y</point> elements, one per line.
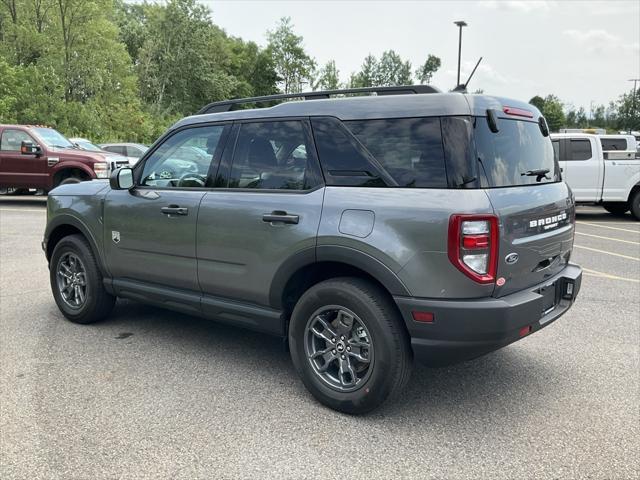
<point>465,329</point>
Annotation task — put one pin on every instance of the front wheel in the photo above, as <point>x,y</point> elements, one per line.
<point>76,282</point>
<point>349,345</point>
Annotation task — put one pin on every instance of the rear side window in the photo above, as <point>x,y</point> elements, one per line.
<point>580,149</point>
<point>518,154</point>
<point>609,144</point>
<point>273,156</point>
<point>408,149</point>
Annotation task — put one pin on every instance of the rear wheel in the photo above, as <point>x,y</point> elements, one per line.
<point>349,345</point>
<point>616,208</point>
<point>70,180</point>
<point>635,205</point>
<point>76,282</point>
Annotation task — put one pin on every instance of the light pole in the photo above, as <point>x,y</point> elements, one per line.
<point>633,101</point>
<point>460,24</point>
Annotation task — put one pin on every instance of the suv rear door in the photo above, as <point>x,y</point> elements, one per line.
<point>535,210</point>
<point>265,211</point>
<point>150,230</point>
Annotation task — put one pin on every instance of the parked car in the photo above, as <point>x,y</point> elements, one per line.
<point>133,151</point>
<point>37,157</point>
<point>365,231</point>
<point>596,177</point>
<point>114,158</point>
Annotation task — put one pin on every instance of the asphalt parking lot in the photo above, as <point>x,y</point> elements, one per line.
<point>155,394</point>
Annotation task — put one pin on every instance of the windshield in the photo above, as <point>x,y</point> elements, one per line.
<point>53,138</point>
<point>518,154</point>
<point>84,145</point>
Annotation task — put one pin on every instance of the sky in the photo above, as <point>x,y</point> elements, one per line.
<point>581,51</point>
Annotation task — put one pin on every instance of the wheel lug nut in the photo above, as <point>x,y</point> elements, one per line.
<point>342,337</point>
<point>348,349</point>
<point>333,351</point>
<point>333,340</point>
<point>343,357</point>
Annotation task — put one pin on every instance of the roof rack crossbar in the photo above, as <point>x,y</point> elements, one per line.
<point>226,105</point>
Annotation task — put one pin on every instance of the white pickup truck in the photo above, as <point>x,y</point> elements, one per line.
<point>607,178</point>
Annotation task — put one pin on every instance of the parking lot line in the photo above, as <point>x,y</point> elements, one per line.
<point>579,222</point>
<point>44,210</point>
<point>608,253</point>
<point>608,238</point>
<point>595,273</point>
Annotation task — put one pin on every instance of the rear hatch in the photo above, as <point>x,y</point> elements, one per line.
<point>534,207</point>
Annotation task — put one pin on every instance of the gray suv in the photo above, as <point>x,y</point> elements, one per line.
<point>366,230</point>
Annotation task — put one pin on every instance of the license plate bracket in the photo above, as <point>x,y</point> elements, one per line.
<point>549,295</point>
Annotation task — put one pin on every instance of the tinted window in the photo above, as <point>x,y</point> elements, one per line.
<point>516,155</point>
<point>556,149</point>
<point>460,152</point>
<point>613,144</point>
<point>134,152</point>
<point>409,149</point>
<point>183,159</point>
<point>580,149</point>
<point>116,149</point>
<point>11,140</point>
<point>343,160</point>
<point>273,155</point>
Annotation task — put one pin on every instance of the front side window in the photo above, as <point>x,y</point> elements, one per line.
<point>409,149</point>
<point>11,140</point>
<point>183,160</point>
<point>518,154</point>
<point>580,149</point>
<point>273,156</point>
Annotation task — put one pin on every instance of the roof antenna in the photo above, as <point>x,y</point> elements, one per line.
<point>463,86</point>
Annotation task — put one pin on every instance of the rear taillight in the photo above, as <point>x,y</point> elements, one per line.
<point>473,246</point>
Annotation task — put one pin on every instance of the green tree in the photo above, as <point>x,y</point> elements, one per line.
<point>628,107</point>
<point>537,102</point>
<point>551,108</point>
<point>368,74</point>
<point>392,70</point>
<point>428,68</point>
<point>292,64</point>
<point>571,119</point>
<point>328,77</point>
<point>581,118</point>
<point>8,91</point>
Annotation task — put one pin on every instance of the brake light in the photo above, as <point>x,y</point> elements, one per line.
<point>517,112</point>
<point>473,246</point>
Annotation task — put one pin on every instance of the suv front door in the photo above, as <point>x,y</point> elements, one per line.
<point>266,211</point>
<point>150,230</point>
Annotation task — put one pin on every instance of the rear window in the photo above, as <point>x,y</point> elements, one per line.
<point>518,154</point>
<point>409,149</point>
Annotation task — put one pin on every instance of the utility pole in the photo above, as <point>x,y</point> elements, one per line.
<point>460,24</point>
<point>633,101</point>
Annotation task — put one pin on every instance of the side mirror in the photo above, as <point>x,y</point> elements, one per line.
<point>121,179</point>
<point>30,148</point>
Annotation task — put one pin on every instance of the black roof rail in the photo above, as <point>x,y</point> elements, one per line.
<point>226,105</point>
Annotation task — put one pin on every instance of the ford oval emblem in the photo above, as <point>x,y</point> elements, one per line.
<point>511,258</point>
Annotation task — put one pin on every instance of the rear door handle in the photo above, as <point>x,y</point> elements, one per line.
<point>175,210</point>
<point>280,216</point>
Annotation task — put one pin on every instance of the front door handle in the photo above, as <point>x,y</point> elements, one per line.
<point>174,210</point>
<point>280,216</point>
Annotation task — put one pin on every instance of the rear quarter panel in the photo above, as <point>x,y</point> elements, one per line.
<point>406,229</point>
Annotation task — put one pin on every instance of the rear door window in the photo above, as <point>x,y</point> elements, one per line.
<point>518,154</point>
<point>609,144</point>
<point>11,140</point>
<point>408,149</point>
<point>580,149</point>
<point>273,156</point>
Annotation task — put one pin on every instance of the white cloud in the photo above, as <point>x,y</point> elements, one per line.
<point>519,5</point>
<point>599,41</point>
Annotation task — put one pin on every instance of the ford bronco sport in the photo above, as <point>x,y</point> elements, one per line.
<point>365,230</point>
<point>39,157</point>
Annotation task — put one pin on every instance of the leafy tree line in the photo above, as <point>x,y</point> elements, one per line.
<point>110,70</point>
<point>621,114</point>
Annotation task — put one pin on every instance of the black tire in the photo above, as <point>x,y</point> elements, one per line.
<point>390,355</point>
<point>70,180</point>
<point>97,303</point>
<point>616,208</point>
<point>635,205</point>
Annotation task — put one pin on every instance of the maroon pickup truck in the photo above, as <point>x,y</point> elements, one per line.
<point>42,158</point>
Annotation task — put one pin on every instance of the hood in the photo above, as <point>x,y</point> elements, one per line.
<point>83,188</point>
<point>73,154</point>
